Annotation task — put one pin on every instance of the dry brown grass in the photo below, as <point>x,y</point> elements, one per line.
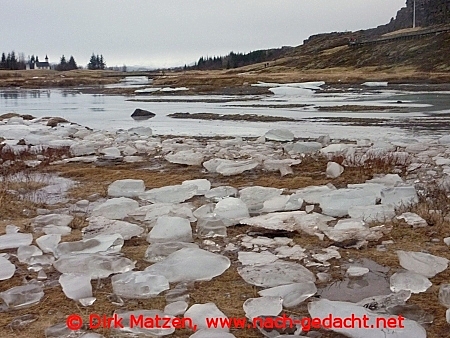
<point>229,291</point>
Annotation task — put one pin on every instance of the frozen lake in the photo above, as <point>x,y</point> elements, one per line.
<point>424,114</point>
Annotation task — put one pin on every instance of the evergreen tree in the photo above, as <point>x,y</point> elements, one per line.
<point>72,64</point>
<point>92,62</point>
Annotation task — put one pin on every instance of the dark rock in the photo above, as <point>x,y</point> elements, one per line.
<point>141,114</point>
<point>53,121</point>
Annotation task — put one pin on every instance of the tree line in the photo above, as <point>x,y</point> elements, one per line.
<point>11,61</point>
<point>235,60</point>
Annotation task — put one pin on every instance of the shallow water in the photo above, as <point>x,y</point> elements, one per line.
<point>114,112</point>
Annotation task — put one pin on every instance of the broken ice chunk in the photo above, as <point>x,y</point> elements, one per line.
<point>229,167</point>
<point>176,308</point>
<point>198,313</point>
<point>7,269</point>
<point>104,226</point>
<point>190,264</point>
<point>14,240</point>
<point>413,220</point>
<point>337,203</point>
<point>100,243</point>
<point>22,296</point>
<point>422,263</point>
<point>444,295</point>
<point>115,208</point>
<point>211,333</point>
<point>411,281</point>
<point>381,303</point>
<point>48,243</point>
<point>170,229</point>
<point>158,251</point>
<point>254,258</point>
<point>292,294</point>
<point>370,213</point>
<point>276,274</point>
<point>61,331</point>
<point>356,271</point>
<point>254,197</point>
<point>211,226</point>
<point>76,286</point>
<point>170,194</point>
<point>130,318</point>
<point>56,230</point>
<point>218,193</point>
<point>61,220</point>
<point>263,306</point>
<point>324,308</point>
<point>203,185</point>
<point>187,157</point>
<point>313,194</point>
<point>126,188</point>
<point>95,265</point>
<point>281,135</point>
<point>399,196</point>
<point>138,284</point>
<point>20,322</point>
<point>231,209</point>
<point>334,169</point>
<point>24,253</point>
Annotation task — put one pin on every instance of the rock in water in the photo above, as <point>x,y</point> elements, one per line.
<point>325,308</point>
<point>141,114</point>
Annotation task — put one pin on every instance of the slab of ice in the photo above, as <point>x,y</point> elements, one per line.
<point>375,84</point>
<point>276,220</point>
<point>382,303</point>
<point>76,286</point>
<point>399,196</point>
<point>104,226</point>
<point>292,252</point>
<point>188,157</point>
<point>334,169</point>
<point>198,313</point>
<point>283,166</point>
<point>170,229</point>
<point>100,243</point>
<point>276,274</point>
<point>203,185</point>
<point>229,167</point>
<point>263,306</point>
<point>357,271</point>
<point>22,296</point>
<point>282,203</point>
<point>422,263</point>
<point>190,264</point>
<point>413,220</point>
<point>126,188</point>
<point>53,219</point>
<point>292,294</point>
<point>158,251</point>
<point>303,147</point>
<point>176,308</point>
<point>232,209</point>
<point>48,243</point>
<point>414,282</point>
<point>24,253</point>
<point>337,148</point>
<point>211,226</point>
<point>255,196</point>
<point>329,253</point>
<point>56,230</point>
<point>255,258</point>
<point>170,194</point>
<point>7,269</point>
<point>211,333</point>
<point>324,308</point>
<point>115,208</point>
<point>95,265</point>
<point>216,194</point>
<point>313,194</point>
<point>14,240</point>
<point>370,213</point>
<point>134,330</point>
<point>282,135</point>
<point>138,284</point>
<point>444,295</point>
<point>338,202</point>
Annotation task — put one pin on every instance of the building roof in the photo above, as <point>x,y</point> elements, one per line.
<point>42,64</point>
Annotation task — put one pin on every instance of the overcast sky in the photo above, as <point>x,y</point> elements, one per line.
<point>166,33</point>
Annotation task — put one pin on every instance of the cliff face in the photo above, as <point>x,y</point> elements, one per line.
<point>428,13</point>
